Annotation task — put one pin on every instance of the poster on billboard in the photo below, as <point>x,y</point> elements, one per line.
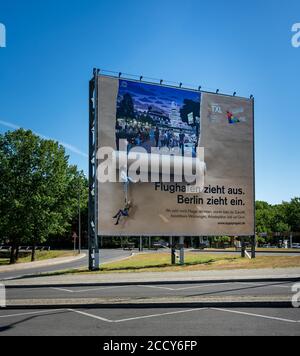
<point>189,161</point>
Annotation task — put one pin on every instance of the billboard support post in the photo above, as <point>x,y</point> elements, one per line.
<point>173,251</point>
<point>243,248</point>
<point>181,247</point>
<point>93,133</point>
<point>253,247</point>
<point>141,244</point>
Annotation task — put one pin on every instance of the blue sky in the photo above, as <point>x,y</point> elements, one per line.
<point>242,46</point>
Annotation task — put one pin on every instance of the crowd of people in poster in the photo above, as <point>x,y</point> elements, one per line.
<point>151,116</point>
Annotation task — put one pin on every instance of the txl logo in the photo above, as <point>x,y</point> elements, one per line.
<point>296,36</point>
<point>2,35</point>
<point>216,109</point>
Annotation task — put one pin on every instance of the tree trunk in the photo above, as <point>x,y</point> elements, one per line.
<point>33,253</point>
<point>12,255</point>
<point>17,253</point>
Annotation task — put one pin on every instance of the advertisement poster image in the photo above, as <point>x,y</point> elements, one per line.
<point>155,116</point>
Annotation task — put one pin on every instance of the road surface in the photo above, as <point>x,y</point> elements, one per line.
<point>177,309</point>
<point>106,255</point>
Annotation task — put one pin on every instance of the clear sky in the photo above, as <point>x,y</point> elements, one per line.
<point>233,45</point>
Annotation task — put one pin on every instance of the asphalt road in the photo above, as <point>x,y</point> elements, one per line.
<point>154,309</point>
<point>160,309</point>
<point>106,255</point>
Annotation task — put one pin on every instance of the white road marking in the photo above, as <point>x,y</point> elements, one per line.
<point>31,313</point>
<point>202,286</point>
<point>197,286</point>
<point>135,318</point>
<point>157,315</point>
<point>91,315</point>
<point>62,289</point>
<point>10,278</point>
<point>168,288</point>
<point>100,288</point>
<point>265,285</point>
<point>52,311</point>
<point>88,290</point>
<point>256,315</point>
<point>183,288</point>
<point>155,287</point>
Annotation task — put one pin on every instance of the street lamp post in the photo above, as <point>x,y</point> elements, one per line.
<point>79,223</point>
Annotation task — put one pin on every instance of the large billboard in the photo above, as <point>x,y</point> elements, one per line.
<point>208,134</point>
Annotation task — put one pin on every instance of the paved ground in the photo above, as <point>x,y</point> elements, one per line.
<point>228,302</point>
<point>154,277</point>
<point>107,255</point>
<point>151,322</point>
<point>199,308</point>
<point>144,290</point>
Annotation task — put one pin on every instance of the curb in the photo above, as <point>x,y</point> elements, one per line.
<point>44,263</point>
<point>132,303</point>
<point>154,282</point>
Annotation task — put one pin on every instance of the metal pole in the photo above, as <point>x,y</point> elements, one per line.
<point>141,244</point>
<point>93,186</point>
<point>181,244</point>
<point>253,247</point>
<point>173,251</point>
<point>243,247</point>
<point>79,224</point>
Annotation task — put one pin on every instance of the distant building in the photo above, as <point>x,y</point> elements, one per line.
<point>175,118</point>
<point>158,115</point>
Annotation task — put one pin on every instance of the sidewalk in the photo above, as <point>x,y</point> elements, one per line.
<point>155,277</point>
<point>43,263</point>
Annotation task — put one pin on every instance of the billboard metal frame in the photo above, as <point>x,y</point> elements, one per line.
<point>93,187</point>
<point>94,260</point>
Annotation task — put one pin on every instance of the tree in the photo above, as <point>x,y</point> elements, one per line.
<point>126,107</point>
<point>293,214</point>
<point>15,172</point>
<point>279,221</point>
<point>37,189</point>
<point>189,106</point>
<point>263,217</point>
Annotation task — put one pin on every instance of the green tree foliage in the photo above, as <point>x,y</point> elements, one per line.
<point>293,214</point>
<point>263,217</point>
<point>38,189</point>
<point>189,106</point>
<point>126,107</point>
<point>279,218</point>
<point>279,222</point>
